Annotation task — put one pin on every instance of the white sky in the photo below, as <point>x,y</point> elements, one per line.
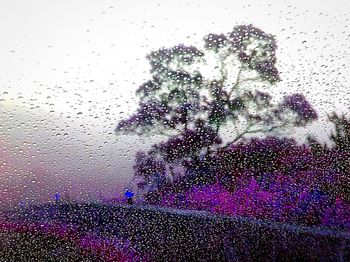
<point>60,58</point>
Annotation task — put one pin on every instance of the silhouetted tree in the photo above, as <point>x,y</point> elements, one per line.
<point>341,137</point>
<point>341,152</point>
<point>317,148</point>
<point>191,106</point>
<point>336,158</point>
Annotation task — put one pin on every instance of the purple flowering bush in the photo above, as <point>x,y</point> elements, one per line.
<point>337,215</point>
<point>271,178</point>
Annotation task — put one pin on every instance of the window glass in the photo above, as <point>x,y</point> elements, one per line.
<point>119,119</point>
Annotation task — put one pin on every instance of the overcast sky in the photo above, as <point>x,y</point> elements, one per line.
<point>69,71</point>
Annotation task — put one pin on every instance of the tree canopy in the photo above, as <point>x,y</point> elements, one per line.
<point>193,93</point>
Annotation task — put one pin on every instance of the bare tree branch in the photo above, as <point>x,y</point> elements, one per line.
<point>236,83</point>
<point>260,130</point>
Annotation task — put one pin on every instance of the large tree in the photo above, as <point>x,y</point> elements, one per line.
<point>336,157</point>
<point>341,155</point>
<point>194,94</point>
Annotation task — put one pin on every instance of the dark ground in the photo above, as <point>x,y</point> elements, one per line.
<point>17,247</point>
<point>184,235</point>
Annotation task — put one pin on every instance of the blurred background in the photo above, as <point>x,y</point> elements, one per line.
<point>69,71</point>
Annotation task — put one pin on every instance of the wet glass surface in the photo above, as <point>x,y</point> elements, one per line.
<point>174,130</point>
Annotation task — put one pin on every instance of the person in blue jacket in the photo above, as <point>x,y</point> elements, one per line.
<point>129,195</point>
